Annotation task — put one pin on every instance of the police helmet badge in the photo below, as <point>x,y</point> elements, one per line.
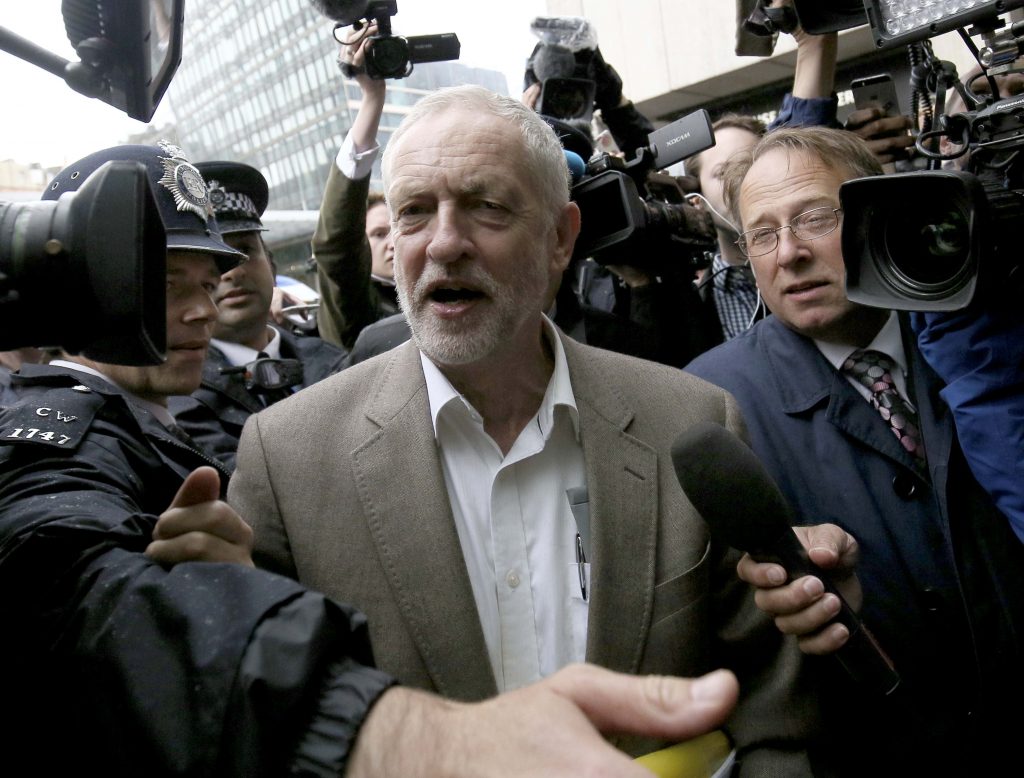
<point>184,182</point>
<point>217,194</point>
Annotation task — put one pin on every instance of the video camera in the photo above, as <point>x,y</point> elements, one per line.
<point>84,271</point>
<point>928,241</point>
<point>387,55</point>
<point>129,51</point>
<point>565,63</point>
<point>631,215</point>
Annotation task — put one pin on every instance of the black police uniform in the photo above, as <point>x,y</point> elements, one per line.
<point>116,663</point>
<point>215,413</point>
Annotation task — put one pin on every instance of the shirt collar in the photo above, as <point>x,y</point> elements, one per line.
<point>724,276</point>
<point>162,414</point>
<point>888,341</point>
<point>559,393</point>
<point>236,354</point>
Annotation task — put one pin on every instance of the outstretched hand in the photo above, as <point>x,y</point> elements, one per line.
<point>553,727</point>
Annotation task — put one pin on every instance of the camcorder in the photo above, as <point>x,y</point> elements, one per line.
<point>387,55</point>
<point>933,240</point>
<point>632,215</point>
<point>87,271</point>
<point>565,63</point>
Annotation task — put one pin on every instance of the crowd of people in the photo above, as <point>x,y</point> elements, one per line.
<point>444,535</point>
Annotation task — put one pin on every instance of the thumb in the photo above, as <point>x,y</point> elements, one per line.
<point>201,485</point>
<point>658,706</point>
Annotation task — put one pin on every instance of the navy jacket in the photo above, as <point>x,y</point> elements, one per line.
<point>941,571</point>
<point>215,413</point>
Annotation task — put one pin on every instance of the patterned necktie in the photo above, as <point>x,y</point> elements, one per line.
<point>873,369</point>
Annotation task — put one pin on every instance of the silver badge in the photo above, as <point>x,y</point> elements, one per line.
<point>184,182</point>
<point>217,194</point>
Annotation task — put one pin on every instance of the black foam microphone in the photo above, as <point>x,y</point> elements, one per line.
<point>744,508</point>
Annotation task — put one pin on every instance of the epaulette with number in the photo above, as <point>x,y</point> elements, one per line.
<point>59,417</point>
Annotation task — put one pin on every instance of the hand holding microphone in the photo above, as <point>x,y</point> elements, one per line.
<point>744,509</point>
<point>803,607</point>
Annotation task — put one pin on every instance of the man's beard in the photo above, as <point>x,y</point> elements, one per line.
<point>497,315</point>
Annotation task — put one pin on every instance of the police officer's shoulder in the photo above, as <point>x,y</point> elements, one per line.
<point>57,407</point>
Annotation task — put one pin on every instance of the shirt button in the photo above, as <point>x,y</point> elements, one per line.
<point>512,579</point>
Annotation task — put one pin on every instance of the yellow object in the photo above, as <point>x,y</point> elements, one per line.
<point>697,758</point>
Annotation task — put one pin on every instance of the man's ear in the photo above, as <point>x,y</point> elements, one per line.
<point>567,229</point>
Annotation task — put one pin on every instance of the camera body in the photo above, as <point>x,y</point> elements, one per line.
<point>632,215</point>
<point>392,56</point>
<point>933,240</point>
<point>87,272</point>
<point>388,55</point>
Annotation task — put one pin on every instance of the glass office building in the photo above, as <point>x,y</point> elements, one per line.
<point>260,84</point>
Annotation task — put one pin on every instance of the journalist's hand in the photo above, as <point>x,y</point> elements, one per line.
<point>549,728</point>
<point>886,136</point>
<point>802,607</point>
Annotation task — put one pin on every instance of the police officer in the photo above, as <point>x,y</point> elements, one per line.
<point>251,363</point>
<point>115,661</point>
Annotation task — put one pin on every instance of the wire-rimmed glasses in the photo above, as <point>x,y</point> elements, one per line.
<point>809,225</point>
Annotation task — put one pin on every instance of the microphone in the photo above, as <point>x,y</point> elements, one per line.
<point>744,508</point>
<point>554,61</point>
<point>577,167</point>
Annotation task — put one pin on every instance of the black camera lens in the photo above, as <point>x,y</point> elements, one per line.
<point>388,58</point>
<point>928,247</point>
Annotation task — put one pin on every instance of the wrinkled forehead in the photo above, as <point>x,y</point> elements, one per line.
<point>453,133</point>
<point>788,175</point>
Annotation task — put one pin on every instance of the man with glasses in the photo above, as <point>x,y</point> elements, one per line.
<point>846,416</point>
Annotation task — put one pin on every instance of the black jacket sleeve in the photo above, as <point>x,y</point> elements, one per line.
<point>128,667</point>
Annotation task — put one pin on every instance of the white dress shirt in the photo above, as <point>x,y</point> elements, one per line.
<point>517,531</point>
<point>352,163</point>
<point>237,355</point>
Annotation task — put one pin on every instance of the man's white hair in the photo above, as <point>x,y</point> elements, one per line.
<point>544,156</point>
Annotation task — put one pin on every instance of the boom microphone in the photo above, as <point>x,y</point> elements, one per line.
<point>744,508</point>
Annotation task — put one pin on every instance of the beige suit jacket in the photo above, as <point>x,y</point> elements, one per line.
<point>344,488</point>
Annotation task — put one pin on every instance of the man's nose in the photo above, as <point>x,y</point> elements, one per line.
<point>448,242</point>
<point>791,249</point>
<point>201,307</point>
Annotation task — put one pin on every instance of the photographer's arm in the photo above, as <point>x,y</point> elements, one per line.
<point>813,101</point>
<point>340,247</point>
<point>628,126</point>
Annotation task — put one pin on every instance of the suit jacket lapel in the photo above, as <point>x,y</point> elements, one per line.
<point>622,482</point>
<point>401,486</point>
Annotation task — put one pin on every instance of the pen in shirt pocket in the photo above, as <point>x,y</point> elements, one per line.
<point>579,504</point>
